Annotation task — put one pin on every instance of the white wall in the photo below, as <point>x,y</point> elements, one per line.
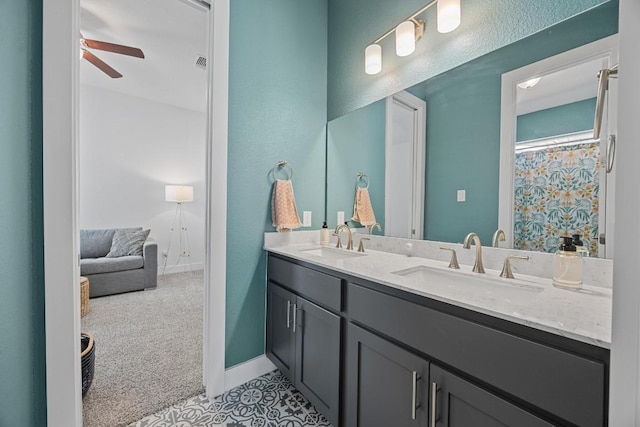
<point>129,149</point>
<point>624,401</point>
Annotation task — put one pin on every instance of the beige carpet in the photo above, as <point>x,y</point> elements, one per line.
<point>148,350</point>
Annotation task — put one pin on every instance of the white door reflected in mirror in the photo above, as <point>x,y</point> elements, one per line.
<point>404,167</point>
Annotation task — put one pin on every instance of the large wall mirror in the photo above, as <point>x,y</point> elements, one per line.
<point>432,153</point>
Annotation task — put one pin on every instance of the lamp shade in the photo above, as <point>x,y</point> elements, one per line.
<point>405,38</point>
<point>448,15</point>
<point>178,193</point>
<point>373,59</point>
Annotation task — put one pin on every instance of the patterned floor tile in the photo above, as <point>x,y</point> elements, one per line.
<point>267,401</point>
<point>195,412</point>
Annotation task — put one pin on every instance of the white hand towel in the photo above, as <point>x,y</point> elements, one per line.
<point>284,213</point>
<point>362,209</point>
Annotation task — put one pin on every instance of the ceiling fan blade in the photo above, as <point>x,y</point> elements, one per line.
<point>103,66</point>
<point>115,48</point>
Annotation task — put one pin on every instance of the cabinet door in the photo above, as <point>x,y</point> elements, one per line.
<point>459,403</point>
<point>317,372</point>
<point>280,336</point>
<point>386,385</point>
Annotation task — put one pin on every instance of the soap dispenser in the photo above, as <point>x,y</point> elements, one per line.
<point>324,234</point>
<point>567,266</point>
<point>579,244</point>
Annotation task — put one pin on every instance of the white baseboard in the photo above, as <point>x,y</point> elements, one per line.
<point>181,268</point>
<point>251,369</point>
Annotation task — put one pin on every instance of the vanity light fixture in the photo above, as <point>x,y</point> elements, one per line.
<point>448,15</point>
<point>528,84</point>
<point>405,38</point>
<point>409,31</point>
<point>373,59</point>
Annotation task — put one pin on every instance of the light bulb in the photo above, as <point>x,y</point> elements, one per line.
<point>448,15</point>
<point>373,59</point>
<point>405,38</point>
<point>529,83</point>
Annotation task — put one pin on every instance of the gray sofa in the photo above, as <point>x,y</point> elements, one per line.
<point>108,276</point>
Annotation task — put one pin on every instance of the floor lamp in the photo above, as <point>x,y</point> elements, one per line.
<point>179,194</point>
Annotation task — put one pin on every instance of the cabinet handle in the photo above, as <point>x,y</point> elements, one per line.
<point>611,152</point>
<point>288,313</point>
<point>414,395</point>
<point>295,315</point>
<point>434,404</point>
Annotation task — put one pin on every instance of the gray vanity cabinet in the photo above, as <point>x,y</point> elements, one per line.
<point>456,402</point>
<point>317,366</point>
<point>385,384</point>
<point>369,355</point>
<point>304,337</point>
<point>280,336</point>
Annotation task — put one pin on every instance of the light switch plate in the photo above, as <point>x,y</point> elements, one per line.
<point>462,195</point>
<point>340,217</point>
<point>306,219</point>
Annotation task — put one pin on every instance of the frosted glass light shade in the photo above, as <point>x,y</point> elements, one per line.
<point>178,193</point>
<point>373,59</point>
<point>448,15</point>
<point>405,38</point>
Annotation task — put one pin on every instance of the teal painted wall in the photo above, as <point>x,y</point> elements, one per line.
<point>463,125</point>
<point>356,144</point>
<point>277,111</point>
<point>560,120</point>
<point>486,26</point>
<point>22,332</point>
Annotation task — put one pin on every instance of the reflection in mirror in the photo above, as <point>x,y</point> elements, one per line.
<point>463,155</point>
<point>557,180</point>
<point>384,141</point>
<point>557,169</point>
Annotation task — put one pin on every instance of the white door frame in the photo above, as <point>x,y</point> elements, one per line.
<point>61,26</point>
<point>624,387</point>
<point>418,166</point>
<point>606,47</point>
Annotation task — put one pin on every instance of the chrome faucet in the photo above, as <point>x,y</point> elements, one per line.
<point>375,225</point>
<point>477,267</point>
<point>350,241</point>
<point>498,236</point>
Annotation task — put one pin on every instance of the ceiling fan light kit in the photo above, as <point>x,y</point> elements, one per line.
<point>86,44</point>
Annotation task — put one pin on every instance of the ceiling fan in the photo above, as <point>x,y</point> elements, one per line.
<point>86,44</point>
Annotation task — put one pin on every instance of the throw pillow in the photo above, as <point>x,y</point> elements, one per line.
<point>128,242</point>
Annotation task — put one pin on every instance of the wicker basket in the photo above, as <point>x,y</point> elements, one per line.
<point>88,359</point>
<point>84,296</point>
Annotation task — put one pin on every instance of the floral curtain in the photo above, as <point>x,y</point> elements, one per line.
<point>557,194</point>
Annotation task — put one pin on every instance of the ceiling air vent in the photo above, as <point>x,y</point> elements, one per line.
<point>201,62</point>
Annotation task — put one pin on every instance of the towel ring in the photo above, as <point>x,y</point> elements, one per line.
<point>281,165</point>
<point>362,179</point>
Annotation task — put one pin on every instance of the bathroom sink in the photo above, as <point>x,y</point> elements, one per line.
<point>485,283</point>
<point>333,254</point>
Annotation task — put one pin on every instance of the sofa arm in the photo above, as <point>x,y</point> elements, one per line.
<point>150,257</point>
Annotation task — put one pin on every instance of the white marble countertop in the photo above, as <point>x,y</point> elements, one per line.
<point>583,315</point>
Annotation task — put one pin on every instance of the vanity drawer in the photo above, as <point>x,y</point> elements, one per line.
<point>563,384</point>
<point>316,286</point>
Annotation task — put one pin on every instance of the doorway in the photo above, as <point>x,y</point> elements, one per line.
<point>61,26</point>
<point>404,167</point>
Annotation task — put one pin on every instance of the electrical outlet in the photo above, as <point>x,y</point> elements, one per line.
<point>306,219</point>
<point>462,195</point>
<point>340,217</point>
